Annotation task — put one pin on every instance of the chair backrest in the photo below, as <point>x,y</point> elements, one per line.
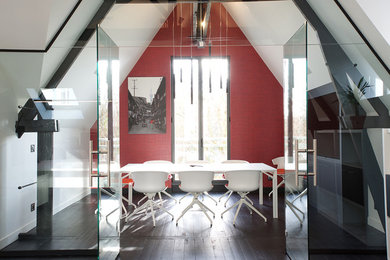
<point>243,180</point>
<point>157,161</point>
<point>289,178</point>
<point>235,161</point>
<point>196,181</point>
<point>279,162</point>
<point>149,181</point>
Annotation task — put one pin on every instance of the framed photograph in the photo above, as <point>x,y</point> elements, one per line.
<point>147,105</point>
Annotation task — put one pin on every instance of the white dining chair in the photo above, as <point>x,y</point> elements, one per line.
<point>149,183</point>
<point>229,192</point>
<point>290,187</point>
<point>243,182</point>
<point>198,163</point>
<point>165,190</point>
<point>195,183</point>
<point>279,162</point>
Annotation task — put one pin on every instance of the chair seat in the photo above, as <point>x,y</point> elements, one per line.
<point>196,190</point>
<point>127,181</point>
<point>237,189</point>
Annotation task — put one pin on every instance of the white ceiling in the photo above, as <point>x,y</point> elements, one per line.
<point>26,24</point>
<point>132,27</point>
<point>268,26</point>
<point>350,41</point>
<point>371,17</point>
<point>20,71</point>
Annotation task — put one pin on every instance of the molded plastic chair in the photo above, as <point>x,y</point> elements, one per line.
<point>229,192</point>
<point>243,182</point>
<point>279,162</point>
<point>195,183</point>
<point>290,186</point>
<point>198,162</point>
<point>166,187</point>
<point>149,183</point>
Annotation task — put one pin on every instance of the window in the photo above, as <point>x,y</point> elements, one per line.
<point>200,112</point>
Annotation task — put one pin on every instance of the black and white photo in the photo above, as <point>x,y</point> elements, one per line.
<point>146,105</point>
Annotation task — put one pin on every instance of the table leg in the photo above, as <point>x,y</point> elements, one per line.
<point>261,201</point>
<point>130,195</point>
<point>275,194</point>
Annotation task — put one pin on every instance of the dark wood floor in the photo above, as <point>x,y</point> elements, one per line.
<point>73,228</point>
<point>252,238</point>
<point>193,238</point>
<point>76,228</point>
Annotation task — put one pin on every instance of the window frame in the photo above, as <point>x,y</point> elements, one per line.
<point>200,103</point>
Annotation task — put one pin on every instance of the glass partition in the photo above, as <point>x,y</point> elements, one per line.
<point>108,179</point>
<point>46,114</point>
<point>348,113</point>
<point>295,118</point>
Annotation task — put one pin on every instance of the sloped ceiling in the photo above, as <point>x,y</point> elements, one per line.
<point>132,27</point>
<point>26,24</point>
<point>20,71</point>
<point>268,26</point>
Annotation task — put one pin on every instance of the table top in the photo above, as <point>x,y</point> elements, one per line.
<point>214,167</point>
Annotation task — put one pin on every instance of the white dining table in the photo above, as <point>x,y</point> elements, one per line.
<point>217,168</point>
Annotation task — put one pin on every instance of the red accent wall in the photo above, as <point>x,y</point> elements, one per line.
<point>256,99</point>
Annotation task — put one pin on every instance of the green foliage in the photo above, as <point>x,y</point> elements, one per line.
<point>353,95</point>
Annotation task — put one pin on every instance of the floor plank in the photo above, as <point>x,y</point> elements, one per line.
<point>193,238</point>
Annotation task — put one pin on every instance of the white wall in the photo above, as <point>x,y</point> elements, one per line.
<point>70,167</point>
<point>18,166</point>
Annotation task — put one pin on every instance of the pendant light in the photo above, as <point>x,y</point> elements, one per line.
<point>181,42</point>
<point>220,45</point>
<point>192,79</point>
<point>210,87</point>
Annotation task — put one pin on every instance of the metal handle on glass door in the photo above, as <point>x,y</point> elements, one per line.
<point>297,172</point>
<point>91,153</point>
